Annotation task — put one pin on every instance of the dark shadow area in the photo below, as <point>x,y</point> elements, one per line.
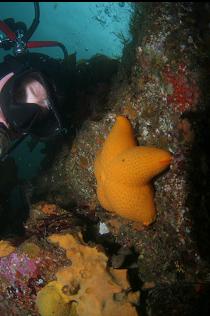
<point>198,199</point>
<point>14,207</point>
<point>176,299</point>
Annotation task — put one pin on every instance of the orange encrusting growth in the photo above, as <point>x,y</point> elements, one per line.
<point>124,172</point>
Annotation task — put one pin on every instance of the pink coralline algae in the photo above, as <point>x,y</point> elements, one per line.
<point>18,265</point>
<point>22,279</point>
<point>22,276</point>
<point>23,273</point>
<point>183,93</point>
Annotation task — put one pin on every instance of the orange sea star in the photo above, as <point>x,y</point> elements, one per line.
<point>124,171</point>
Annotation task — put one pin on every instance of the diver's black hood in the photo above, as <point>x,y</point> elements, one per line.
<point>28,118</point>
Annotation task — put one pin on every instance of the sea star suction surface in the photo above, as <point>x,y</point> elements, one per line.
<point>124,172</point>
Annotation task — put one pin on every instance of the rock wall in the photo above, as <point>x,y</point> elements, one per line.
<point>163,88</point>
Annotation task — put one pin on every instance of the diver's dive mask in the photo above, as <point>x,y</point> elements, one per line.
<point>30,118</point>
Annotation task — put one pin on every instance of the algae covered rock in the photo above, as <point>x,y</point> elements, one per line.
<point>53,272</point>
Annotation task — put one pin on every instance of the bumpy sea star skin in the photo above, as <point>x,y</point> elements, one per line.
<point>124,171</point>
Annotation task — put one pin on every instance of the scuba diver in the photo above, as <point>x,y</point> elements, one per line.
<point>34,89</point>
<point>28,92</point>
<point>35,93</point>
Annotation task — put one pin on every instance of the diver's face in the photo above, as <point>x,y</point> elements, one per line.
<point>36,93</point>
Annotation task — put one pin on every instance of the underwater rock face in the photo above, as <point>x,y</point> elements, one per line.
<point>163,90</point>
